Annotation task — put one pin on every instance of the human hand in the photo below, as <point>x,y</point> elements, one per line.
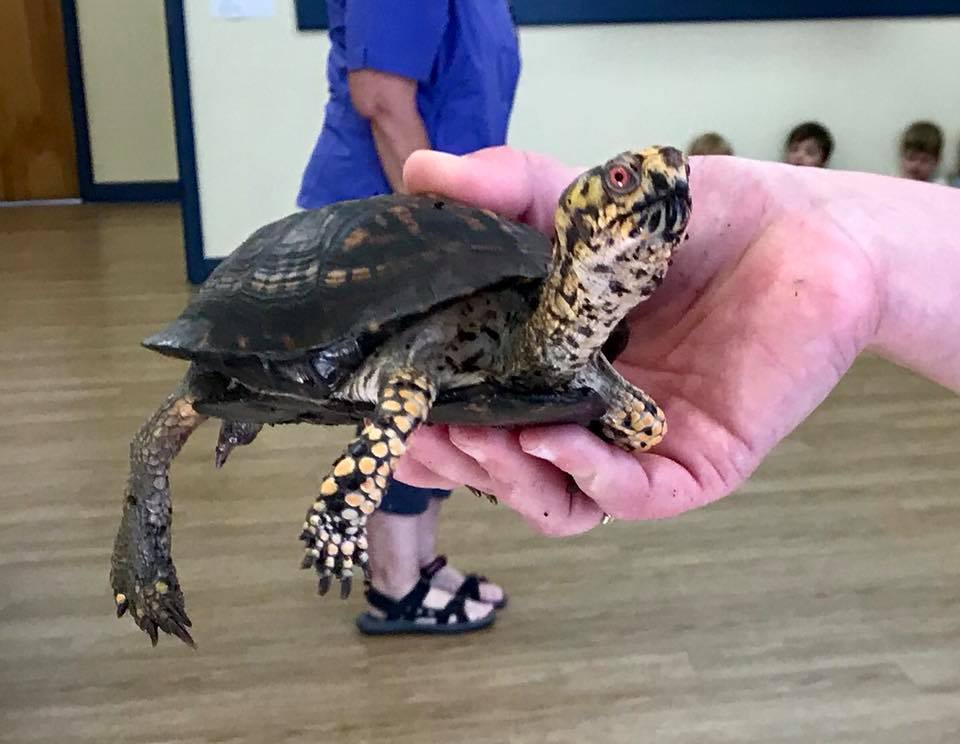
<point>766,306</point>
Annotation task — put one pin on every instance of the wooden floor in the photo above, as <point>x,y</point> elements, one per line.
<point>819,604</point>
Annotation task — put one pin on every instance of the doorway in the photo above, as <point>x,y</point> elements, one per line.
<point>37,139</point>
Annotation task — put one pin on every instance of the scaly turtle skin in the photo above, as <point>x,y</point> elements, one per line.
<point>390,312</point>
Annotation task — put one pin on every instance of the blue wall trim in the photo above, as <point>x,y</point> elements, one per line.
<point>135,191</point>
<point>312,14</point>
<point>198,267</point>
<point>78,97</point>
<point>91,190</point>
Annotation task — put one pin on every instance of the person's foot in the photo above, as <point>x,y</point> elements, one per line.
<point>437,599</point>
<point>444,576</point>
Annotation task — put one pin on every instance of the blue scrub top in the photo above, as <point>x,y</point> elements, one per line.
<point>465,56</point>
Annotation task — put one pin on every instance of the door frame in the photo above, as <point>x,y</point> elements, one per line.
<point>91,189</point>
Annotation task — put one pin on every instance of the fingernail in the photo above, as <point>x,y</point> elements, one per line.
<point>535,448</point>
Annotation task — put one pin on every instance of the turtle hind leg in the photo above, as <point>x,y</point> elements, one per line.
<point>335,529</point>
<point>142,573</point>
<point>633,421</point>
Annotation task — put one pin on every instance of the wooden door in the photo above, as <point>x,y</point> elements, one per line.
<point>37,152</point>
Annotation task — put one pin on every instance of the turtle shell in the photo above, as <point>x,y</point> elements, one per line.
<point>320,276</point>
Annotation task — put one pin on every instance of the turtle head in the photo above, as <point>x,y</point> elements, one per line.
<point>632,209</point>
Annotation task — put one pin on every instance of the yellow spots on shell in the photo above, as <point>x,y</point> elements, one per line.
<point>369,485</point>
<point>473,223</point>
<point>161,587</point>
<point>344,467</point>
<point>383,470</point>
<point>367,465</point>
<point>391,405</point>
<point>360,274</point>
<point>373,326</point>
<point>406,394</point>
<point>397,447</point>
<point>379,450</point>
<point>413,408</point>
<point>381,480</point>
<point>389,392</point>
<point>373,433</point>
<point>332,549</point>
<point>288,343</point>
<point>406,217</point>
<point>328,487</point>
<point>403,423</point>
<point>120,598</point>
<point>335,278</point>
<point>355,238</point>
<point>347,548</point>
<point>368,507</point>
<point>242,342</point>
<point>354,499</point>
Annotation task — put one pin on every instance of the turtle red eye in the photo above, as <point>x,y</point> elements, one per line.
<point>621,178</point>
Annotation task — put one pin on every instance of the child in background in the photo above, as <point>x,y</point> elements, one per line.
<point>710,143</point>
<point>809,144</point>
<point>920,148</point>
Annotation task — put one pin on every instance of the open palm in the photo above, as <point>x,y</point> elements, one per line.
<point>766,306</point>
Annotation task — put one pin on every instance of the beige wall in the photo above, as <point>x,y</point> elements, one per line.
<point>585,92</point>
<point>127,82</point>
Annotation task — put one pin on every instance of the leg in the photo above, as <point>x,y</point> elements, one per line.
<point>336,523</point>
<point>633,420</point>
<point>142,574</point>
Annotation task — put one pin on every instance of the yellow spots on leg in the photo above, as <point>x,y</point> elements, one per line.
<point>406,394</point>
<point>389,392</point>
<point>328,487</point>
<point>391,405</point>
<point>120,598</point>
<point>380,450</point>
<point>367,465</point>
<point>402,422</point>
<point>344,467</point>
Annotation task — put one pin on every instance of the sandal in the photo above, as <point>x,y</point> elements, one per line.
<point>469,589</point>
<point>408,615</point>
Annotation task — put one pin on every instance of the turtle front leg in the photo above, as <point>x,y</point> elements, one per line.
<point>142,573</point>
<point>335,529</point>
<point>633,420</point>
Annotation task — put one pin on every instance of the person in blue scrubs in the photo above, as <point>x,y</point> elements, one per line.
<point>403,76</point>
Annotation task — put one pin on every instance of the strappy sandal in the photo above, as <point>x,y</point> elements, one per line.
<point>469,589</point>
<point>408,615</point>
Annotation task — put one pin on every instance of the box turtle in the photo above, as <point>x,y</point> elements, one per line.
<point>390,312</point>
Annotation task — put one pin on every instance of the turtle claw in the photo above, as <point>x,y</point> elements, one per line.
<point>323,585</point>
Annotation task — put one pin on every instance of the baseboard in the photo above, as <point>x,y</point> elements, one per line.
<point>134,191</point>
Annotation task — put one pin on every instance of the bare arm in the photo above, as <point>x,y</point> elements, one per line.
<point>389,102</point>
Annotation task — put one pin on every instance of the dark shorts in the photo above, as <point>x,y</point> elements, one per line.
<point>403,499</point>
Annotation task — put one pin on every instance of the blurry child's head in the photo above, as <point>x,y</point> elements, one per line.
<point>920,148</point>
<point>710,143</point>
<point>810,144</point>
